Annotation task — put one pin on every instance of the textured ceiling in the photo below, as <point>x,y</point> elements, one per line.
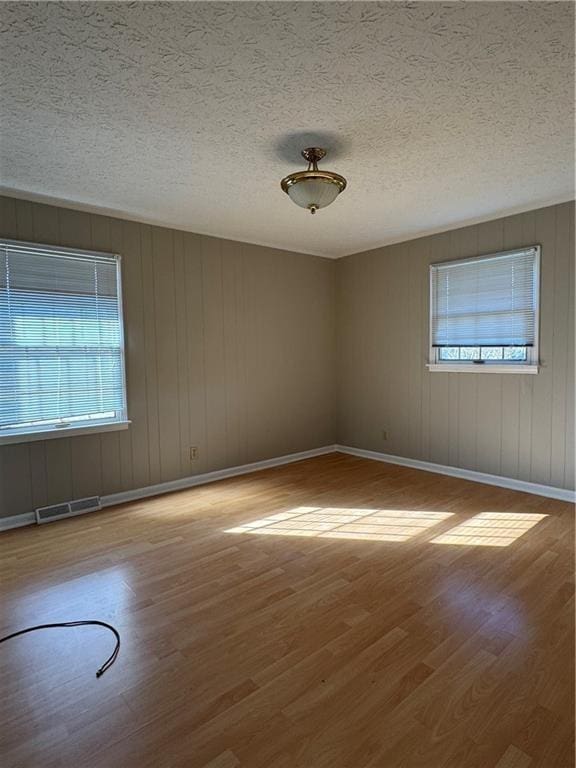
<point>189,114</point>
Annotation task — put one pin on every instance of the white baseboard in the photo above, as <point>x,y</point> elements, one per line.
<point>211,477</point>
<point>17,521</point>
<point>550,491</point>
<point>27,518</point>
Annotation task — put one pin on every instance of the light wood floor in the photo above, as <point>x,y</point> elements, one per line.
<point>360,627</point>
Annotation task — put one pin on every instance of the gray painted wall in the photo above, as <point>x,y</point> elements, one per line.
<point>519,426</point>
<point>230,347</point>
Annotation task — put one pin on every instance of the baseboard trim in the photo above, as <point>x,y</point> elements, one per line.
<point>17,521</point>
<point>27,518</point>
<point>550,491</point>
<point>212,477</point>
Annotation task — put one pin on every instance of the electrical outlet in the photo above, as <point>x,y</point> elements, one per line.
<point>194,453</point>
<point>384,434</point>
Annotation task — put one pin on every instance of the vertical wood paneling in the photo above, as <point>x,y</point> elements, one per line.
<point>8,226</point>
<point>526,384</point>
<point>390,383</point>
<point>46,229</point>
<point>166,353</point>
<point>229,348</point>
<point>418,350</point>
<point>541,443</point>
<point>105,237</point>
<point>256,279</point>
<point>24,221</point>
<point>519,426</point>
<point>121,442</point>
<point>150,363</point>
<point>194,350</point>
<point>134,313</point>
<point>58,472</point>
<point>86,466</point>
<point>452,379</point>
<point>17,478</point>
<point>464,245</point>
<point>569,431</point>
<point>440,403</point>
<point>372,383</point>
<point>214,358</point>
<point>232,304</point>
<point>511,384</point>
<point>85,452</point>
<point>38,475</point>
<point>489,404</point>
<point>75,227</point>
<point>244,343</point>
<point>183,383</point>
<point>16,464</point>
<point>560,344</point>
<point>46,225</point>
<point>8,229</point>
<point>423,268</point>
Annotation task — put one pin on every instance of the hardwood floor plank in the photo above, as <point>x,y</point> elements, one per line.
<point>514,758</point>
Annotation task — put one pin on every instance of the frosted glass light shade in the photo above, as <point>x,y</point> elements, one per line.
<point>317,193</point>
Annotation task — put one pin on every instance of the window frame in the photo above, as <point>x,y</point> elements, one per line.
<point>29,435</point>
<point>529,366</point>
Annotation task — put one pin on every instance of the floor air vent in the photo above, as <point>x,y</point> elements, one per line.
<point>67,509</point>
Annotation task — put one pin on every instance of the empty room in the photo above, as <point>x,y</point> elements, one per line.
<point>287,473</point>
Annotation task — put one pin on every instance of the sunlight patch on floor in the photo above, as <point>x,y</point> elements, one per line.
<point>490,529</point>
<point>345,523</point>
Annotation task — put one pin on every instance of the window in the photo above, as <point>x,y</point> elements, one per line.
<point>484,313</point>
<point>61,342</point>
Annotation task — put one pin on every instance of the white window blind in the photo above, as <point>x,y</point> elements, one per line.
<point>61,339</point>
<point>486,302</point>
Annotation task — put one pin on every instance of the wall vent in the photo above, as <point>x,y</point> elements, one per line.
<point>67,509</point>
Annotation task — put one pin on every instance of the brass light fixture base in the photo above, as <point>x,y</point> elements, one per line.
<point>313,154</point>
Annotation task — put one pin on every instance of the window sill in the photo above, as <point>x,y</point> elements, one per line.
<point>50,434</point>
<point>486,368</point>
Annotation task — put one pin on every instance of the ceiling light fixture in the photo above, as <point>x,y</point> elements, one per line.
<point>313,189</point>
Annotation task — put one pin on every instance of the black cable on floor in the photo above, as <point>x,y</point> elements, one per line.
<point>109,661</point>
